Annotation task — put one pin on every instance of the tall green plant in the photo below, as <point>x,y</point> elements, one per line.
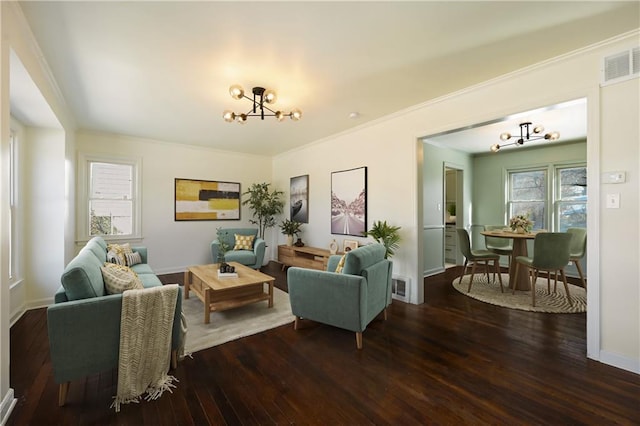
<point>265,204</point>
<point>386,235</point>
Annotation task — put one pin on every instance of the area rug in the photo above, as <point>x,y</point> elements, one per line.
<point>551,303</point>
<point>233,324</point>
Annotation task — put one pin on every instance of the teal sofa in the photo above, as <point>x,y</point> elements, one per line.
<point>350,299</point>
<point>251,258</point>
<point>84,321</point>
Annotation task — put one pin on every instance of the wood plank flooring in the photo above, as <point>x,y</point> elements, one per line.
<point>452,360</point>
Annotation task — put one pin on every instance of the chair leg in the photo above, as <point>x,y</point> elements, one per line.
<point>584,282</point>
<point>296,323</point>
<point>359,339</point>
<point>496,264</point>
<point>473,271</point>
<point>486,269</point>
<point>385,313</point>
<point>534,279</point>
<point>63,390</point>
<point>464,270</point>
<point>566,286</point>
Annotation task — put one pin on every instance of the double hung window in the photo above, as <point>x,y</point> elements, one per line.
<point>554,197</point>
<point>111,202</point>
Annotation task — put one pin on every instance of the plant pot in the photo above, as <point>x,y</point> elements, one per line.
<point>520,230</point>
<point>289,240</point>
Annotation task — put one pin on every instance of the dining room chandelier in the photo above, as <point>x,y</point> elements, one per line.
<point>526,135</point>
<point>261,97</point>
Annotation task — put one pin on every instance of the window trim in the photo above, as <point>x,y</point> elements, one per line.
<point>82,210</point>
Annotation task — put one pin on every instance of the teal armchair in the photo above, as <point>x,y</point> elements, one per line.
<point>350,299</point>
<point>251,258</point>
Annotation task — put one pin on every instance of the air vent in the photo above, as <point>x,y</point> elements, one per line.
<point>400,288</point>
<point>621,66</point>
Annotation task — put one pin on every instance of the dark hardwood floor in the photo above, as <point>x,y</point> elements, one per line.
<point>452,360</point>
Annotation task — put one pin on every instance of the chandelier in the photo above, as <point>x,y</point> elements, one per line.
<point>526,135</point>
<point>261,97</point>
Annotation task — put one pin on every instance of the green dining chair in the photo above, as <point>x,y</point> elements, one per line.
<point>551,255</point>
<point>501,246</point>
<point>475,257</point>
<point>578,249</point>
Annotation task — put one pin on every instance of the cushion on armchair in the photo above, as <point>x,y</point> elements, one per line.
<point>243,242</point>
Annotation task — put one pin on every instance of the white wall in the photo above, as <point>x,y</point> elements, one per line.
<point>388,148</point>
<point>172,245</point>
<point>44,203</point>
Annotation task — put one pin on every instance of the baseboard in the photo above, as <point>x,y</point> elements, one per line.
<point>40,303</point>
<point>6,406</point>
<point>618,361</point>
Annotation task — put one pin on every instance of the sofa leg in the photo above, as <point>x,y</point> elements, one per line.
<point>385,314</point>
<point>296,323</point>
<point>62,393</point>
<point>174,359</point>
<point>359,339</point>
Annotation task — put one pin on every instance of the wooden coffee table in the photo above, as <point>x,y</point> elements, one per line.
<point>221,293</point>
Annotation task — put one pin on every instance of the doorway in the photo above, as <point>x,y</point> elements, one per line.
<point>453,209</point>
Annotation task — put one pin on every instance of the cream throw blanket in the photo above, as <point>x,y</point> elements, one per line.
<point>145,343</point>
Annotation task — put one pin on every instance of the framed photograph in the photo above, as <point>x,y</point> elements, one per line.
<point>349,245</point>
<point>206,200</point>
<point>349,202</point>
<point>299,198</point>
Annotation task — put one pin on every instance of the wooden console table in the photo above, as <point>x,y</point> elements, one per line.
<point>303,257</point>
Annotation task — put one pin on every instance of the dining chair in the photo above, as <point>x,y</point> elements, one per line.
<point>578,249</point>
<point>551,255</point>
<point>501,246</point>
<point>475,257</point>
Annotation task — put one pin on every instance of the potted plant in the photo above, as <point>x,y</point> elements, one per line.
<point>386,235</point>
<point>290,228</point>
<point>265,204</point>
<point>452,212</point>
<point>223,246</point>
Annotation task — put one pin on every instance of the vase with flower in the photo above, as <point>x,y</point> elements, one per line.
<point>521,224</point>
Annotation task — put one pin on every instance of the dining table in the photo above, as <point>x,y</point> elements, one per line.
<point>519,249</point>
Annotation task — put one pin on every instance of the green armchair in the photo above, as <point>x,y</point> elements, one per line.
<point>350,299</point>
<point>252,258</point>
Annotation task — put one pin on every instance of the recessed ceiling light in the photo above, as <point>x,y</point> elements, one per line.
<point>353,115</point>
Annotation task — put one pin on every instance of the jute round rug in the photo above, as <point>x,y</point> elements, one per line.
<point>557,302</point>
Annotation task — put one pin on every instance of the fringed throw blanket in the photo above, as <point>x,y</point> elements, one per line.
<point>145,343</point>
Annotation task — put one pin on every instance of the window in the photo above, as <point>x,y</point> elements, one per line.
<point>530,193</point>
<point>13,207</point>
<point>571,200</point>
<point>110,205</point>
<point>528,196</point>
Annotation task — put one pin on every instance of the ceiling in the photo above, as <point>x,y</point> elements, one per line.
<point>161,70</point>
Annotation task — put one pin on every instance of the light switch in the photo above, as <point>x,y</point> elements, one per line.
<point>613,201</point>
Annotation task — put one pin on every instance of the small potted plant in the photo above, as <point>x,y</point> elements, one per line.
<point>223,246</point>
<point>452,212</point>
<point>386,235</point>
<point>290,228</point>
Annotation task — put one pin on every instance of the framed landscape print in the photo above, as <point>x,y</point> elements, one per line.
<point>299,198</point>
<point>349,202</point>
<point>206,200</point>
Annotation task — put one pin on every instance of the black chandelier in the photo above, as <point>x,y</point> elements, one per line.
<point>261,97</point>
<point>526,135</point>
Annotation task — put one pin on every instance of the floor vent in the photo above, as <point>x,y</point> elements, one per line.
<point>621,66</point>
<point>400,288</point>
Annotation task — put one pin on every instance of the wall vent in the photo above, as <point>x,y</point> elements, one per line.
<point>621,66</point>
<point>400,288</point>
